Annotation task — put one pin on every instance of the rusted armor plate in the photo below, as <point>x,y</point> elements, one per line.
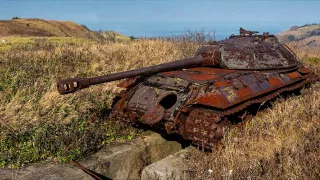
<point>218,90</point>
<point>255,53</point>
<point>153,115</point>
<point>149,95</point>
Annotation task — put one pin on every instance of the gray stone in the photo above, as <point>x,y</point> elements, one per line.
<point>171,167</point>
<point>45,170</point>
<point>126,160</point>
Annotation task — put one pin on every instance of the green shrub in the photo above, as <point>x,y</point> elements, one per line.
<point>314,60</point>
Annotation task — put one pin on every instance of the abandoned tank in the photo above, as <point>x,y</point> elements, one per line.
<point>198,97</point>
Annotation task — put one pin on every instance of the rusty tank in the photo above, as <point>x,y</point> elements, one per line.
<point>198,97</point>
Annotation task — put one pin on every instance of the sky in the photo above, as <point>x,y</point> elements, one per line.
<point>143,17</point>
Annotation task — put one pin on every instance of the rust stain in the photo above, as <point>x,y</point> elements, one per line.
<point>275,81</point>
<point>304,70</point>
<point>244,93</point>
<point>153,115</point>
<point>127,82</point>
<point>221,84</point>
<point>214,99</point>
<point>190,76</point>
<point>203,77</point>
<point>293,75</point>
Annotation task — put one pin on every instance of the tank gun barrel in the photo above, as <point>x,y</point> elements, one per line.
<point>72,85</point>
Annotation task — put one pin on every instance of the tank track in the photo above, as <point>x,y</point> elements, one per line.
<point>205,127</point>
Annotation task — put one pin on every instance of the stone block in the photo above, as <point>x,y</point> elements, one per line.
<point>171,167</point>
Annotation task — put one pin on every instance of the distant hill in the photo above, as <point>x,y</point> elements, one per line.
<point>39,28</point>
<point>308,35</point>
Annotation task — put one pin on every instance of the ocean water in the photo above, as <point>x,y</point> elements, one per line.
<point>156,29</point>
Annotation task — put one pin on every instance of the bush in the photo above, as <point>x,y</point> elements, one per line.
<point>314,60</point>
<point>132,38</point>
<point>84,26</point>
<point>291,38</point>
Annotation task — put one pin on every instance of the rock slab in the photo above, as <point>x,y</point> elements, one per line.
<point>171,167</point>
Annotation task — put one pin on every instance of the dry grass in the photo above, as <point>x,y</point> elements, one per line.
<point>281,142</point>
<point>37,123</point>
<point>309,56</point>
<point>22,43</point>
<point>29,74</point>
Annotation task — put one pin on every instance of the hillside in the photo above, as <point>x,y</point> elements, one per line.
<point>45,28</point>
<point>307,34</point>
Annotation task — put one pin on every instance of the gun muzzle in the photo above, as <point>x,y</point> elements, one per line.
<point>72,85</point>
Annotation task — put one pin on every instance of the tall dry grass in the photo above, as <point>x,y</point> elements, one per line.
<point>37,123</point>
<point>29,75</point>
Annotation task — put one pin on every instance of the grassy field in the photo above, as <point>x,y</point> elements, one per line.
<point>37,123</point>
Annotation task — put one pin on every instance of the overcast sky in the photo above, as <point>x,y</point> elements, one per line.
<point>98,14</point>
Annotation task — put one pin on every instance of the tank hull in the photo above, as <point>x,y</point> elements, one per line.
<point>198,103</point>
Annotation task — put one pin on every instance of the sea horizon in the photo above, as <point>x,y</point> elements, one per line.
<point>165,29</point>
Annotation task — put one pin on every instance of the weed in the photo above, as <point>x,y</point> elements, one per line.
<point>314,60</point>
